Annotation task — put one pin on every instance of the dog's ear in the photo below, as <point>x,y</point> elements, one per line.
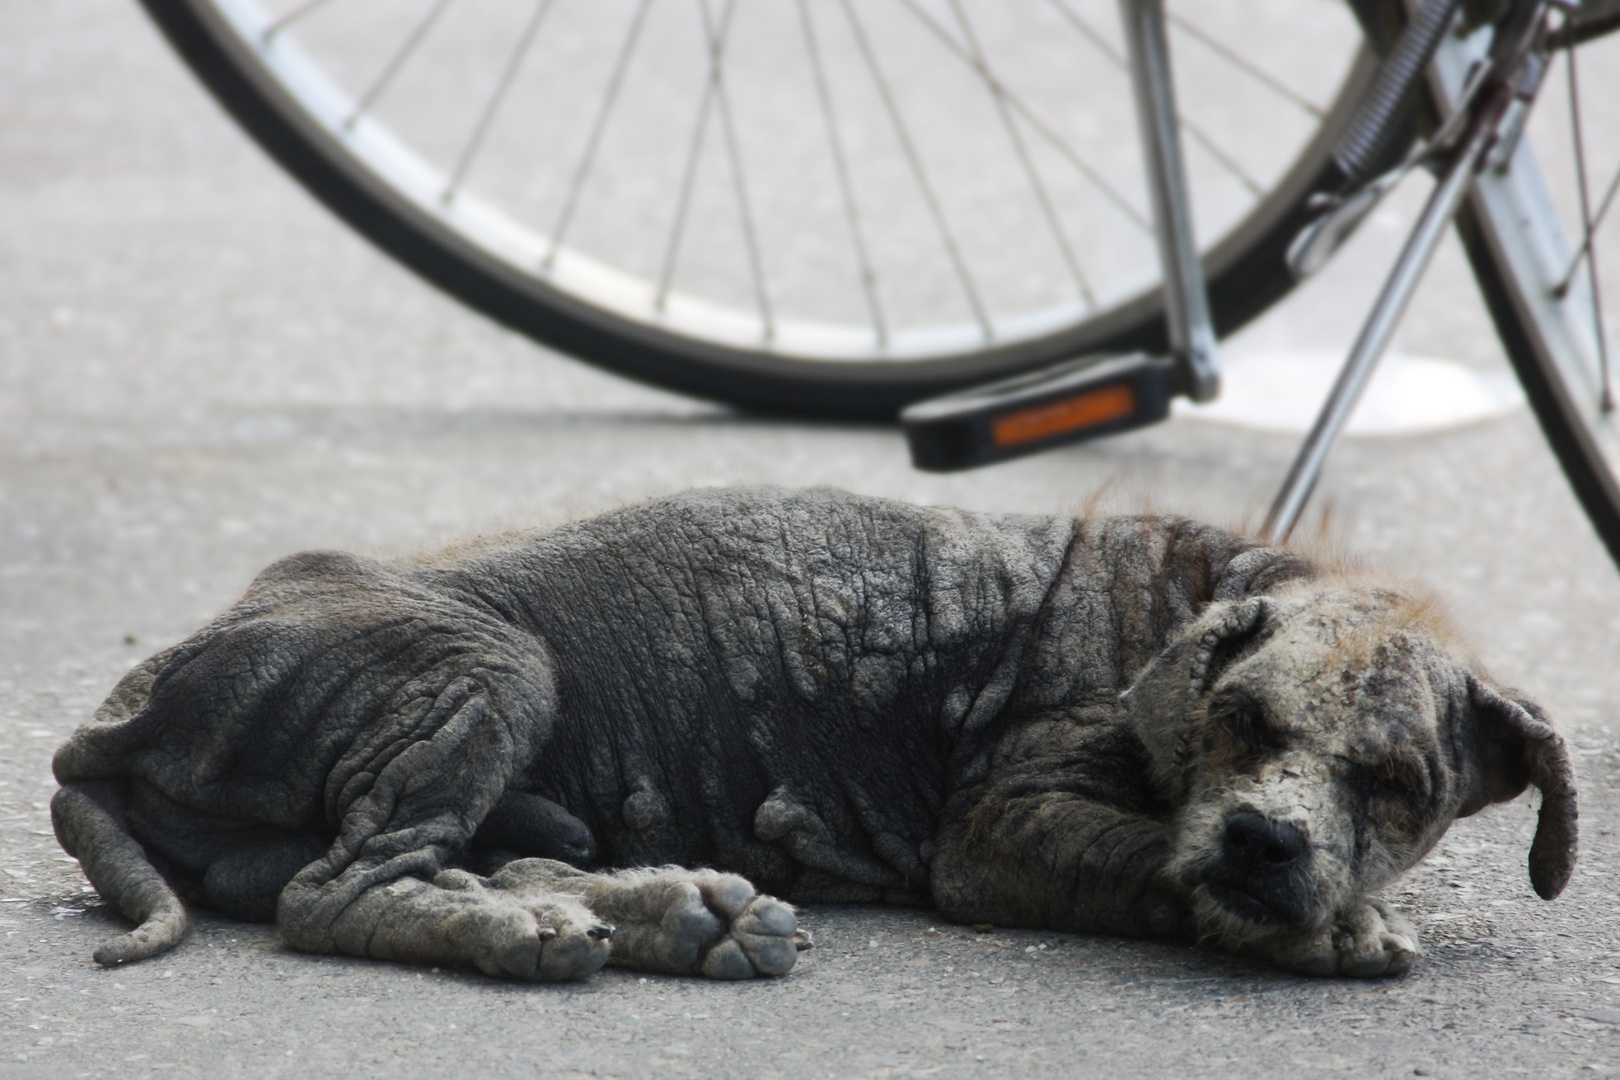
<point>1514,746</point>
<point>1159,704</point>
<point>1260,570</point>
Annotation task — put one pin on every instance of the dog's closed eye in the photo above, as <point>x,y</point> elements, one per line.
<point>1406,775</point>
<point>1404,786</point>
<point>1240,731</point>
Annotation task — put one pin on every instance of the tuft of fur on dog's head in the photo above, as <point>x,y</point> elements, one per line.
<point>1319,740</point>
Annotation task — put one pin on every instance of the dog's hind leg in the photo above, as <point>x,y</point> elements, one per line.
<point>406,909</point>
<point>379,890</point>
<point>458,919</point>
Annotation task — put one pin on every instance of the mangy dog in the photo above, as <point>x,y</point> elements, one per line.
<point>1137,726</point>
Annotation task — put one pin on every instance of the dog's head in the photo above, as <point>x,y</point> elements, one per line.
<point>1319,742</point>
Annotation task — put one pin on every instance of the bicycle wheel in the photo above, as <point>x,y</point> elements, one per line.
<point>1550,286</point>
<point>822,210</point>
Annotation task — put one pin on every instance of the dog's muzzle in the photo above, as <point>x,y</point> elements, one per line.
<point>1259,876</point>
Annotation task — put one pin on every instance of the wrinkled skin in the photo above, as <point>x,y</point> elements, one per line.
<point>1335,745</point>
<point>1142,726</point>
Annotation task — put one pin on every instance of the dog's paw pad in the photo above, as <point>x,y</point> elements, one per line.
<point>768,935</point>
<point>690,928</point>
<point>767,916</point>
<point>727,893</point>
<point>728,961</point>
<point>710,924</point>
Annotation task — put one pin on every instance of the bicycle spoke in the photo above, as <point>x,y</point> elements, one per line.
<point>1045,130</point>
<point>1605,394</point>
<point>599,125</point>
<point>723,101</point>
<point>1236,59</point>
<point>1604,204</point>
<point>845,188</point>
<point>395,62</point>
<point>1037,187</point>
<point>917,171</point>
<point>1213,149</point>
<point>286,19</point>
<point>683,200</point>
<point>1608,200</point>
<point>909,93</point>
<point>1194,131</point>
<point>1091,34</point>
<point>508,73</point>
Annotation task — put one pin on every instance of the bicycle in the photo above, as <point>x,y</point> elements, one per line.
<point>333,100</point>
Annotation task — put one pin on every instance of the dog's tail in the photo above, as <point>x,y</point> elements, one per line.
<point>90,825</point>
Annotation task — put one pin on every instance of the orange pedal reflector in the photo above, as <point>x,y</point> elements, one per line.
<point>1078,399</point>
<point>1071,414</point>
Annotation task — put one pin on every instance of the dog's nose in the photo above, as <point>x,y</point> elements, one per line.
<point>1259,844</point>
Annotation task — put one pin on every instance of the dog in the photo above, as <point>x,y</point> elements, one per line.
<point>501,758</point>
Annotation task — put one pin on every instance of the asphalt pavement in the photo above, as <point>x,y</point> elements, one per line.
<point>201,371</point>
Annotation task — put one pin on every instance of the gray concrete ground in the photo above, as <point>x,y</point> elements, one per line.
<point>200,371</point>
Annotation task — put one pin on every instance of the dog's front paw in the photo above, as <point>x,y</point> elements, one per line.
<point>697,922</point>
<point>1367,941</point>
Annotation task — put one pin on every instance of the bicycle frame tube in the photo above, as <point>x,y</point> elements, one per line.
<point>1186,302</point>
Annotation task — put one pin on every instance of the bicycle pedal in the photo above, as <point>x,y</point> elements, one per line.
<point>1074,400</point>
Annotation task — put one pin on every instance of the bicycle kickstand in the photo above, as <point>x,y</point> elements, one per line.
<point>1455,181</point>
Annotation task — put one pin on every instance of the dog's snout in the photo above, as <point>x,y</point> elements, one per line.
<point>1259,844</point>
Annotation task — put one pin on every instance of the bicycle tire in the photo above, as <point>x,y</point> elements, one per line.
<point>1515,245</point>
<point>1246,270</point>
